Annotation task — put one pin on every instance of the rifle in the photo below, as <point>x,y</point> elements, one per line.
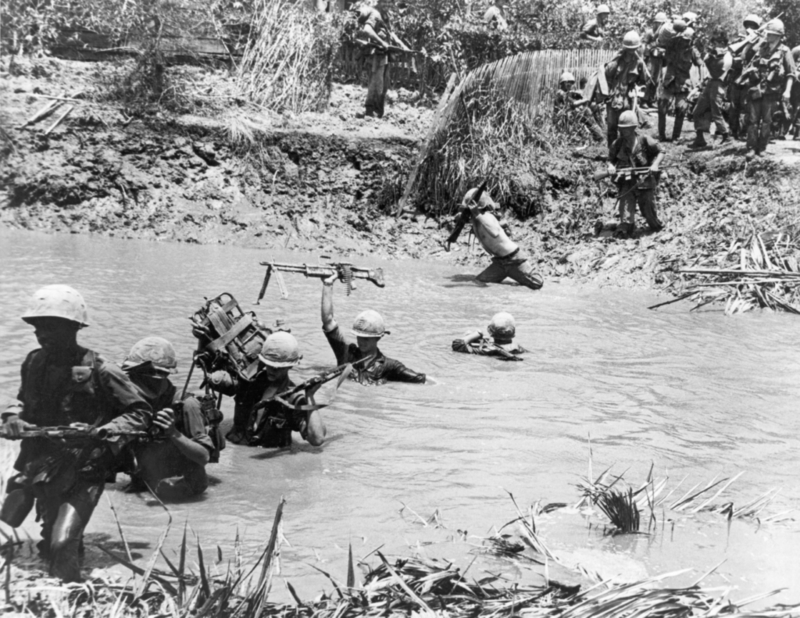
<point>751,38</point>
<point>462,220</point>
<point>311,386</point>
<point>633,171</point>
<point>345,271</point>
<point>72,433</point>
<point>504,354</point>
<point>390,47</point>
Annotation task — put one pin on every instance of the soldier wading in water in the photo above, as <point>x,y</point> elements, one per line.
<point>66,384</point>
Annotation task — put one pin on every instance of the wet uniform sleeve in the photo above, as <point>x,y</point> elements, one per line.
<point>589,29</point>
<point>459,345</point>
<point>132,412</point>
<point>194,424</point>
<point>18,407</point>
<point>398,372</point>
<point>613,151</point>
<point>338,344</point>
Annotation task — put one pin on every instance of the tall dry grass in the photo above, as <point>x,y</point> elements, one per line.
<point>288,62</point>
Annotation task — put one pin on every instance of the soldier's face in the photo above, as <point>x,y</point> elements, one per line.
<point>55,333</point>
<point>628,134</point>
<point>276,374</point>
<point>773,39</point>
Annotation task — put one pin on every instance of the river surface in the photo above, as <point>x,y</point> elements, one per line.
<point>695,395</point>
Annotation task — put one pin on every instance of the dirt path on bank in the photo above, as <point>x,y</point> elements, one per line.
<point>219,171</point>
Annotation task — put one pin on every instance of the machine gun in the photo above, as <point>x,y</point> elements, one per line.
<point>344,271</point>
<point>751,38</point>
<point>311,386</point>
<point>73,433</point>
<point>464,217</point>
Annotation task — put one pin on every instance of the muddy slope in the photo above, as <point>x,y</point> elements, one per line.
<point>329,182</point>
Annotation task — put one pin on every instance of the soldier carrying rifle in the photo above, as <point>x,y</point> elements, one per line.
<point>374,33</point>
<point>66,384</point>
<point>173,468</point>
<point>634,160</point>
<point>264,414</point>
<point>769,73</point>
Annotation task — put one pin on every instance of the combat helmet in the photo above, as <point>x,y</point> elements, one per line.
<point>631,40</point>
<point>57,301</point>
<point>660,17</point>
<point>628,119</point>
<point>280,350</point>
<point>369,323</point>
<point>155,350</point>
<point>754,20</point>
<point>566,76</point>
<point>602,9</point>
<point>502,326</point>
<point>775,26</point>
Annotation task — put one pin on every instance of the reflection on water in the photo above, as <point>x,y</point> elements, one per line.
<point>695,394</point>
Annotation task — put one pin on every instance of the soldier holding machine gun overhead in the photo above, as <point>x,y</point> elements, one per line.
<point>369,329</point>
<point>64,383</point>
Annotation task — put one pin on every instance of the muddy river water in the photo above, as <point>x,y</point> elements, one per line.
<point>696,395</point>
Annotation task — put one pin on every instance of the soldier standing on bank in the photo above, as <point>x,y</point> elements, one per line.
<point>738,91</point>
<point>638,187</point>
<point>623,74</point>
<point>654,55</point>
<point>374,32</point>
<point>680,55</point>
<point>65,384</point>
<point>769,73</point>
<point>709,107</point>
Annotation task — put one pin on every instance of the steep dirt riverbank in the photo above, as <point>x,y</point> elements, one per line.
<point>217,171</point>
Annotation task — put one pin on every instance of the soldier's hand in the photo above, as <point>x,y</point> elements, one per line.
<point>329,281</point>
<point>165,421</point>
<point>654,168</point>
<point>14,426</point>
<point>611,169</point>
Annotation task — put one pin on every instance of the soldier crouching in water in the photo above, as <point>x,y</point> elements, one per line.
<point>66,384</point>
<point>508,259</point>
<point>173,468</point>
<point>501,330</point>
<point>369,329</point>
<point>261,416</point>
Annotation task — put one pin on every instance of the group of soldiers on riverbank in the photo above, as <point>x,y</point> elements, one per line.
<point>751,90</point>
